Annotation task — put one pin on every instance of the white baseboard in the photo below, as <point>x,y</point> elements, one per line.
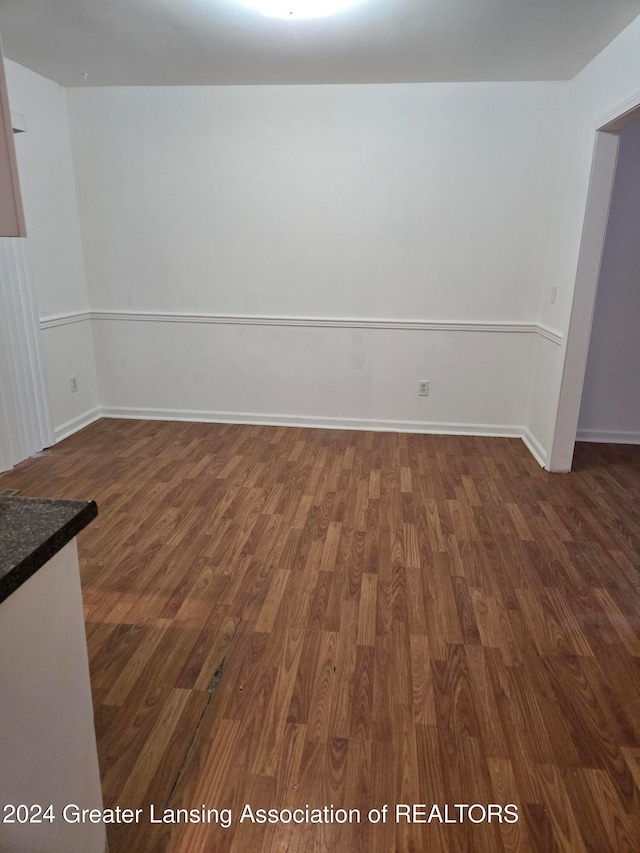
<point>310,421</point>
<point>306,421</point>
<point>535,448</point>
<point>75,424</point>
<point>609,436</point>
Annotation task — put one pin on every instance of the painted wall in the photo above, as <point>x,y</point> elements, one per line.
<point>379,201</point>
<point>48,188</point>
<point>609,81</point>
<point>610,409</point>
<point>445,203</point>
<point>305,375</point>
<point>425,202</point>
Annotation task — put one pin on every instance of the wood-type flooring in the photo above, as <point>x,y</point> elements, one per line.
<point>279,617</point>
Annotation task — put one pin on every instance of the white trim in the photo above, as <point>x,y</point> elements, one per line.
<point>77,423</point>
<point>308,322</point>
<point>305,421</point>
<point>549,334</point>
<point>594,229</point>
<point>615,119</point>
<point>576,349</point>
<point>609,436</point>
<point>534,446</point>
<point>64,319</point>
<point>321,322</point>
<point>311,421</point>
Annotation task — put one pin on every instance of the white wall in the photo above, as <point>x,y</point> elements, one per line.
<point>425,202</point>
<point>391,201</point>
<point>610,409</point>
<point>48,189</point>
<point>306,375</point>
<point>609,81</point>
<point>441,203</point>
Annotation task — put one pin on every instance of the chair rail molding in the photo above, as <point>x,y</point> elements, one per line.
<point>499,326</point>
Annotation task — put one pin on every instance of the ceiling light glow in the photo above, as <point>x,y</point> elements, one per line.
<point>300,9</point>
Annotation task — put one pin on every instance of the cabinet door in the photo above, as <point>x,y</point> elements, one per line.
<point>11,214</point>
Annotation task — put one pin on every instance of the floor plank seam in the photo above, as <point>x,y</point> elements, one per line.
<point>211,688</point>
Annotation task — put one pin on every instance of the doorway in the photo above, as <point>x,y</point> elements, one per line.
<point>610,407</point>
<point>603,173</point>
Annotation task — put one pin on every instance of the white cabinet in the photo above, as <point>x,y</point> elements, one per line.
<point>48,756</point>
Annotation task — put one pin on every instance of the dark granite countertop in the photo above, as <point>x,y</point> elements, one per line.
<point>32,530</point>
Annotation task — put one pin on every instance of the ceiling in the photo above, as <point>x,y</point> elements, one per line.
<point>204,42</point>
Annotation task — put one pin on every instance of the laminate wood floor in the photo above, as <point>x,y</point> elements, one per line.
<point>280,617</point>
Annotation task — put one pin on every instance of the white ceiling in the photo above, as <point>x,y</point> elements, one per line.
<point>179,42</point>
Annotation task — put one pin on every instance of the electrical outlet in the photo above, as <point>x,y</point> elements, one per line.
<point>74,384</point>
<point>554,293</point>
<point>423,388</point>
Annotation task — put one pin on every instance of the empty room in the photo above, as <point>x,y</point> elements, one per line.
<point>319,426</point>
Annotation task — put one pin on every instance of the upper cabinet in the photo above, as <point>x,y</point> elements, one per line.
<point>11,213</point>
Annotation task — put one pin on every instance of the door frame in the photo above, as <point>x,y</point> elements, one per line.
<point>576,349</point>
